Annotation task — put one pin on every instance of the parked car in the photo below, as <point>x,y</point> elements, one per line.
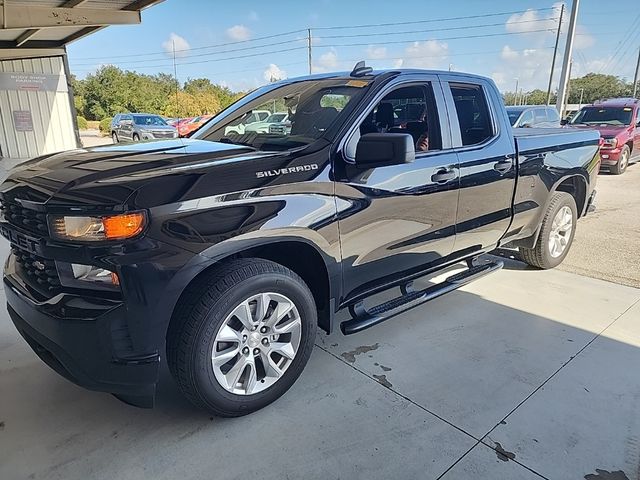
<point>238,125</point>
<point>232,250</point>
<point>186,128</point>
<point>140,126</point>
<point>263,127</point>
<point>618,121</point>
<point>533,116</point>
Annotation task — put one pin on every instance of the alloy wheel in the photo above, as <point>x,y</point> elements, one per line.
<point>256,343</point>
<point>560,234</point>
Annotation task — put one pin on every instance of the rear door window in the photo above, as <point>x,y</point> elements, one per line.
<point>472,112</point>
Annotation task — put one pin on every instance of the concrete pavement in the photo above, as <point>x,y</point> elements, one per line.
<point>520,375</point>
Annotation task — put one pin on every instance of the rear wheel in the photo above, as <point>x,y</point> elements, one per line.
<point>241,336</point>
<point>556,233</point>
<point>620,167</point>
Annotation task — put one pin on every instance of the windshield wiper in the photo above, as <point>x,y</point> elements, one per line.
<point>236,142</point>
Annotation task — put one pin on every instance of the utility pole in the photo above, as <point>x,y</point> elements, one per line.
<point>555,53</point>
<point>568,50</point>
<point>515,92</point>
<point>309,47</point>
<point>581,95</point>
<point>635,76</point>
<point>175,74</point>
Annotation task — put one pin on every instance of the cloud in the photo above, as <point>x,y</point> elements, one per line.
<point>428,54</point>
<point>326,62</point>
<point>376,53</point>
<point>583,38</point>
<point>182,47</point>
<point>508,53</point>
<point>532,20</point>
<point>238,33</point>
<point>274,73</point>
<point>397,63</point>
<point>530,66</point>
<point>253,16</point>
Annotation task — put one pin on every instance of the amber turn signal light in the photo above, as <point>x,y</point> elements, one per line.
<point>123,226</point>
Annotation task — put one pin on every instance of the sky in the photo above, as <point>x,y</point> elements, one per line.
<point>245,44</point>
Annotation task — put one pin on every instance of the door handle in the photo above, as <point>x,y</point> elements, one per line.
<point>503,166</point>
<point>443,175</point>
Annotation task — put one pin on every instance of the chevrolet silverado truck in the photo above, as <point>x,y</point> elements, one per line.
<point>224,253</point>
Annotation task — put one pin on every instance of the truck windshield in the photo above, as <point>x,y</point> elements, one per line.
<point>311,106</point>
<point>603,116</point>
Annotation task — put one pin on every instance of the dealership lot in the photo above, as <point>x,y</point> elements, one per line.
<point>519,375</point>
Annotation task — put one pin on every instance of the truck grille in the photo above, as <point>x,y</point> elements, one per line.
<point>162,133</point>
<point>24,218</point>
<point>278,129</point>
<point>39,272</point>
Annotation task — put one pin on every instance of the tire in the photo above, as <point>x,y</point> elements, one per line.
<point>623,162</point>
<point>206,311</point>
<point>543,255</point>
<point>114,137</point>
<point>136,137</point>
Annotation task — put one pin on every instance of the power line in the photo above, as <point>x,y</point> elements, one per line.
<point>465,27</point>
<point>299,31</point>
<point>286,42</point>
<point>434,39</point>
<point>416,22</point>
<point>267,37</point>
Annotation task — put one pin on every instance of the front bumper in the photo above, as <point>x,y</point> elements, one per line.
<point>79,338</point>
<point>609,157</point>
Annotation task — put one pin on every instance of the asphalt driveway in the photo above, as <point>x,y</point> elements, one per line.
<point>523,374</point>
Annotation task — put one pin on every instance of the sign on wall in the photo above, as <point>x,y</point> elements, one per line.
<point>22,121</point>
<point>35,82</point>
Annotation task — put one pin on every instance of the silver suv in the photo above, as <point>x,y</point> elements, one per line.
<point>134,127</point>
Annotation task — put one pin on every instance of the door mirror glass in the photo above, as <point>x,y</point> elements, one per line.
<point>380,149</point>
<point>564,121</point>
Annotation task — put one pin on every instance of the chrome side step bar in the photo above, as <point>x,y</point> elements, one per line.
<point>363,318</point>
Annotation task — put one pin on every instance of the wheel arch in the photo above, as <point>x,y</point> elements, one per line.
<point>306,259</point>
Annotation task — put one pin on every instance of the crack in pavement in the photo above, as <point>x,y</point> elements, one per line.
<point>482,439</point>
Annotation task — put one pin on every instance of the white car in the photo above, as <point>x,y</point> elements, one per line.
<point>263,127</point>
<point>255,116</point>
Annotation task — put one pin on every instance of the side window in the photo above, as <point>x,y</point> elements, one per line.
<point>553,115</point>
<point>410,110</point>
<point>472,112</point>
<point>540,115</point>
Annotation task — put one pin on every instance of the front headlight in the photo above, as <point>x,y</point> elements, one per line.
<point>95,229</point>
<point>610,142</point>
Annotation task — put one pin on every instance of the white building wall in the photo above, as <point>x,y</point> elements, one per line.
<point>50,107</point>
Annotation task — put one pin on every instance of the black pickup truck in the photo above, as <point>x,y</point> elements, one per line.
<point>227,251</point>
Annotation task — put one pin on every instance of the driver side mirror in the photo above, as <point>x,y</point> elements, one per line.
<point>381,149</point>
<point>564,121</point>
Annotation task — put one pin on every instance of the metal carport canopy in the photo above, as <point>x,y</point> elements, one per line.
<point>28,27</point>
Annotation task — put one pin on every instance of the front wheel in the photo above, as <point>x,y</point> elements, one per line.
<point>136,138</point>
<point>114,137</point>
<point>241,336</point>
<point>620,167</point>
<point>556,233</point>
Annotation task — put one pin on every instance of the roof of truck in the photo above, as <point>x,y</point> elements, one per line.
<point>615,102</point>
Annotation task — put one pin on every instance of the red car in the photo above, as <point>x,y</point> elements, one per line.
<point>618,121</point>
<point>185,128</point>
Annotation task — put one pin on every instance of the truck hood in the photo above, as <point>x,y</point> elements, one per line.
<point>110,175</point>
<point>605,130</point>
